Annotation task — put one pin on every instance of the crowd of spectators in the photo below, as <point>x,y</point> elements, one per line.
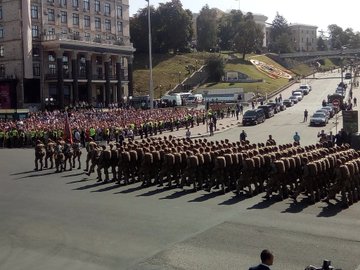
<point>98,124</point>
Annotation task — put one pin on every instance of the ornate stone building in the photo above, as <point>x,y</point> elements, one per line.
<point>64,51</point>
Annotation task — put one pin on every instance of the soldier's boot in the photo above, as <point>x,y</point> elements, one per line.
<point>344,200</point>
<point>41,164</point>
<point>79,167</point>
<point>73,162</point>
<point>317,195</point>
<point>36,165</point>
<point>99,177</point>
<point>350,197</point>
<point>46,163</point>
<point>355,195</point>
<point>52,163</point>
<point>106,171</point>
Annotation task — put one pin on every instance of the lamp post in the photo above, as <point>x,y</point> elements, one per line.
<point>151,87</point>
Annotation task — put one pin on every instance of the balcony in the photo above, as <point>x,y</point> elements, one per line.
<point>74,38</point>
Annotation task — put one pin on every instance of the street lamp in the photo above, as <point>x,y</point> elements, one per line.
<point>151,88</point>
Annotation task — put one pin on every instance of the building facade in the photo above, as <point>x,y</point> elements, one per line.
<point>64,52</point>
<point>304,37</point>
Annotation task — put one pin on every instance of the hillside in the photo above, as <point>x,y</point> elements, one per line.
<point>169,70</point>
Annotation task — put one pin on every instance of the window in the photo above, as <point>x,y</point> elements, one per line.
<point>119,27</point>
<point>75,19</point>
<point>87,21</point>
<point>1,32</point>
<point>63,16</point>
<point>63,3</point>
<point>51,1</point>
<point>1,13</point>
<point>2,70</point>
<point>107,9</point>
<point>86,4</point>
<point>51,31</point>
<point>35,31</point>
<point>119,12</point>
<point>97,23</point>
<point>75,3</point>
<point>36,52</point>
<point>36,69</point>
<point>2,51</point>
<point>87,36</point>
<point>51,15</point>
<point>52,66</point>
<point>97,5</point>
<point>108,25</point>
<point>34,12</point>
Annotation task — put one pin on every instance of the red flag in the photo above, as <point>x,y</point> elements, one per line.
<point>67,130</point>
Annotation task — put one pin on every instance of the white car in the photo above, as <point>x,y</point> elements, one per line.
<point>305,88</point>
<point>298,95</point>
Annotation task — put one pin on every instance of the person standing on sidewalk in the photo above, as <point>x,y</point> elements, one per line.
<point>355,101</point>
<point>296,138</point>
<point>243,136</point>
<point>306,115</point>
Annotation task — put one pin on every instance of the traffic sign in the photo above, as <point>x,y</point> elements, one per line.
<point>336,102</point>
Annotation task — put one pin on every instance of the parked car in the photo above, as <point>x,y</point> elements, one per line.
<point>294,99</point>
<point>298,91</point>
<point>306,88</point>
<point>194,99</point>
<point>282,106</point>
<point>335,108</point>
<point>330,109</point>
<point>253,117</point>
<point>340,90</point>
<point>268,110</point>
<point>275,106</point>
<point>298,95</point>
<point>288,102</point>
<point>347,75</point>
<point>326,112</point>
<point>318,119</point>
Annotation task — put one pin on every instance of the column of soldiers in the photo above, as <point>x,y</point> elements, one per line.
<point>319,171</point>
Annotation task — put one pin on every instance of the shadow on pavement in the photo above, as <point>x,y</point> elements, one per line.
<point>265,203</point>
<point>297,207</point>
<point>74,174</point>
<point>35,175</point>
<point>155,191</point>
<point>89,186</point>
<point>79,181</point>
<point>177,194</point>
<point>207,196</point>
<point>234,199</point>
<point>107,188</point>
<point>129,190</point>
<point>331,209</point>
<point>23,172</point>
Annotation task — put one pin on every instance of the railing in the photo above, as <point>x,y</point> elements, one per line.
<point>122,41</point>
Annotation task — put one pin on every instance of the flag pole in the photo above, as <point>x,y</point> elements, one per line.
<point>151,87</point>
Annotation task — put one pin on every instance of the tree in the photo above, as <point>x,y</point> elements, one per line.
<point>337,36</point>
<point>215,66</point>
<point>227,29</point>
<point>175,29</point>
<point>206,29</point>
<point>249,36</point>
<point>280,35</point>
<point>321,45</point>
<point>171,28</point>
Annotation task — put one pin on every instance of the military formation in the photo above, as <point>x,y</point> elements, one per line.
<point>320,172</point>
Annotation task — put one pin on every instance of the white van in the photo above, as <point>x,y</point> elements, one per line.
<point>171,99</point>
<point>195,99</point>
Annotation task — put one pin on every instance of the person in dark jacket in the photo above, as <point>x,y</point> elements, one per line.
<point>267,259</point>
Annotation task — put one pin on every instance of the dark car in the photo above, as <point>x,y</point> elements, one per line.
<point>275,106</point>
<point>253,117</point>
<point>348,75</point>
<point>288,103</point>
<point>268,110</point>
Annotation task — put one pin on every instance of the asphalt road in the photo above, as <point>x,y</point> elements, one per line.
<point>284,124</point>
<point>68,221</point>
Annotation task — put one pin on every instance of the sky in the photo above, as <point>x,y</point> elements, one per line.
<point>314,12</point>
